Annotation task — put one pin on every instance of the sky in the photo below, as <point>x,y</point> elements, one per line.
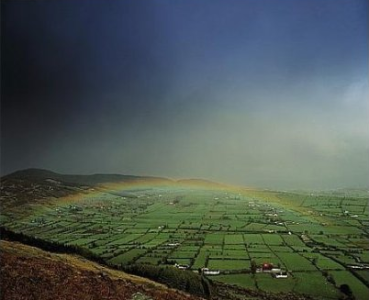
<point>259,93</point>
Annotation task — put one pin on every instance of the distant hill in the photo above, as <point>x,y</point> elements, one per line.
<point>94,179</point>
<point>37,185</point>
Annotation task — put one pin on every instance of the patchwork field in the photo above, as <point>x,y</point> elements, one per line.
<point>315,240</point>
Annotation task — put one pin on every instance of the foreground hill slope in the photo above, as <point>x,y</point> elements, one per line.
<point>31,273</point>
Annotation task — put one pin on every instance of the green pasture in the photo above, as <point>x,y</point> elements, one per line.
<point>359,290</point>
<point>266,282</point>
<point>315,284</point>
<point>228,264</point>
<point>243,280</point>
<point>303,233</point>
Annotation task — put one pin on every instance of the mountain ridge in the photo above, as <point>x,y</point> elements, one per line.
<point>76,178</point>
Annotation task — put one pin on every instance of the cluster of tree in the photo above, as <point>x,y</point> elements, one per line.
<point>325,273</point>
<point>346,290</point>
<point>253,267</point>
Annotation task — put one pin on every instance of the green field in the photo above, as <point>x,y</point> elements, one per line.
<point>312,237</point>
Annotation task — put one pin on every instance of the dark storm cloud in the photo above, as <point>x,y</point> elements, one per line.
<point>59,59</point>
<point>267,93</point>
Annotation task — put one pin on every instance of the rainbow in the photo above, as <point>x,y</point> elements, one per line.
<point>147,184</point>
<point>190,184</point>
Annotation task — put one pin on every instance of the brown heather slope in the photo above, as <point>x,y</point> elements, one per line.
<point>30,273</point>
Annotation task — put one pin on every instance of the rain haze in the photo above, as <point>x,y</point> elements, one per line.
<point>254,93</point>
